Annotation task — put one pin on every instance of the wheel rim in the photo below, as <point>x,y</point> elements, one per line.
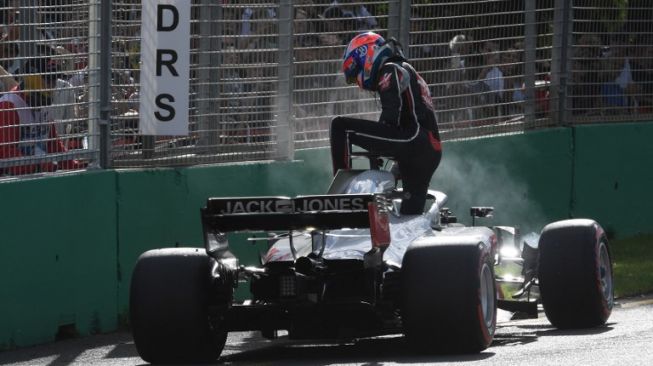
<point>605,274</point>
<point>487,295</point>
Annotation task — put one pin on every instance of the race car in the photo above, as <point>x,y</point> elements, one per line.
<point>347,265</point>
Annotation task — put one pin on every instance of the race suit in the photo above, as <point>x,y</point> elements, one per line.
<point>407,130</point>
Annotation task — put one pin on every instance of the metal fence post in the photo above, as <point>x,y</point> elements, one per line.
<point>94,31</point>
<point>284,120</point>
<point>404,26</point>
<point>561,60</point>
<point>530,55</point>
<point>105,83</point>
<point>394,18</point>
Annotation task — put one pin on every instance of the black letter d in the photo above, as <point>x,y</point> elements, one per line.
<point>160,27</point>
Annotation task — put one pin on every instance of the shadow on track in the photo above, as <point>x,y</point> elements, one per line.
<point>365,351</point>
<point>528,333</point>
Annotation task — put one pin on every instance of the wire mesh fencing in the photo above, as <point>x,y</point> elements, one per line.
<point>44,114</point>
<point>321,34</point>
<point>486,62</point>
<point>265,76</point>
<point>233,87</point>
<point>610,61</point>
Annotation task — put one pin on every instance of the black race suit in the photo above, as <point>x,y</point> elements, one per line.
<point>407,130</point>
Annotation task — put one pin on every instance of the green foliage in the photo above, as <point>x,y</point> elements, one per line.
<point>633,265</point>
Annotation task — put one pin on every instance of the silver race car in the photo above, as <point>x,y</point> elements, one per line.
<point>347,265</point>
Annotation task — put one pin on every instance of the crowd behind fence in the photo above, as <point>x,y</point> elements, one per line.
<point>265,75</point>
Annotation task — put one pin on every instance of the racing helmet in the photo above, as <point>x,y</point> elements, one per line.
<point>365,55</point>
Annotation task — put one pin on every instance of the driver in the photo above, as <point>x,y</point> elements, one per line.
<point>407,128</point>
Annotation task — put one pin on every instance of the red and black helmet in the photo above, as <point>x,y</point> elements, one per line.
<point>364,56</point>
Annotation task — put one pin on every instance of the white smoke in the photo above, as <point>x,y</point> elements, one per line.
<point>472,182</point>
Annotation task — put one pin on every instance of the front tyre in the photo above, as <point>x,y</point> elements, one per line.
<point>575,274</point>
<point>169,303</point>
<point>449,297</point>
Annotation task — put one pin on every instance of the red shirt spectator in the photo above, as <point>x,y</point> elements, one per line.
<point>27,131</point>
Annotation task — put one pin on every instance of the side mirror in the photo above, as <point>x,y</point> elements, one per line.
<point>480,212</point>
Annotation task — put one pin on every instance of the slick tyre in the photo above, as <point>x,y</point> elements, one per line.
<point>449,298</point>
<point>169,307</point>
<point>575,274</point>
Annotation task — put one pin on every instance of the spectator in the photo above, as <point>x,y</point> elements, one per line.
<point>9,18</point>
<point>26,123</point>
<point>427,53</point>
<point>342,99</point>
<point>457,100</point>
<point>9,38</point>
<point>618,78</point>
<point>10,59</point>
<point>258,32</point>
<point>513,74</point>
<point>64,105</point>
<point>7,80</point>
<point>491,73</point>
<point>492,81</point>
<point>362,19</point>
<point>336,26</point>
<point>459,49</point>
<point>123,87</point>
<point>641,90</point>
<point>347,20</point>
<point>305,18</point>
<point>256,23</point>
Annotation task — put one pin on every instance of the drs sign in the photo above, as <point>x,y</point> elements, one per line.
<point>165,55</point>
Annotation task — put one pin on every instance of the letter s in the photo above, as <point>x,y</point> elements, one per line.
<point>161,104</point>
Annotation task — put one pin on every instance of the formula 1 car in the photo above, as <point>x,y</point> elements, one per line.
<point>346,265</point>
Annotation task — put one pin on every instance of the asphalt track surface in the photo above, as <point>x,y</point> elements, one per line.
<point>627,339</point>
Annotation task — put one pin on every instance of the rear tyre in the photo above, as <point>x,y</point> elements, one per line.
<point>449,298</point>
<point>575,274</point>
<point>169,307</point>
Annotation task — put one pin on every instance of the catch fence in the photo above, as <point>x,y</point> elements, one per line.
<point>265,76</point>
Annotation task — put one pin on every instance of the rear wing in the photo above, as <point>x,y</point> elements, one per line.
<point>321,212</point>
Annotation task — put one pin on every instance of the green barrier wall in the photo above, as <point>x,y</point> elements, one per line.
<point>613,176</point>
<point>58,257</point>
<point>69,243</point>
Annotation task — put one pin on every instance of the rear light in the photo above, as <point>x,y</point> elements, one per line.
<point>379,225</point>
<point>287,286</point>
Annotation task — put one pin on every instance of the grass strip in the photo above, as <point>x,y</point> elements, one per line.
<point>633,265</point>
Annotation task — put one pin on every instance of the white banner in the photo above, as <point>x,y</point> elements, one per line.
<point>165,67</point>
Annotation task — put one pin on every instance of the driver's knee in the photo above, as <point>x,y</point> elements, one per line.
<point>337,125</point>
<point>337,122</point>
